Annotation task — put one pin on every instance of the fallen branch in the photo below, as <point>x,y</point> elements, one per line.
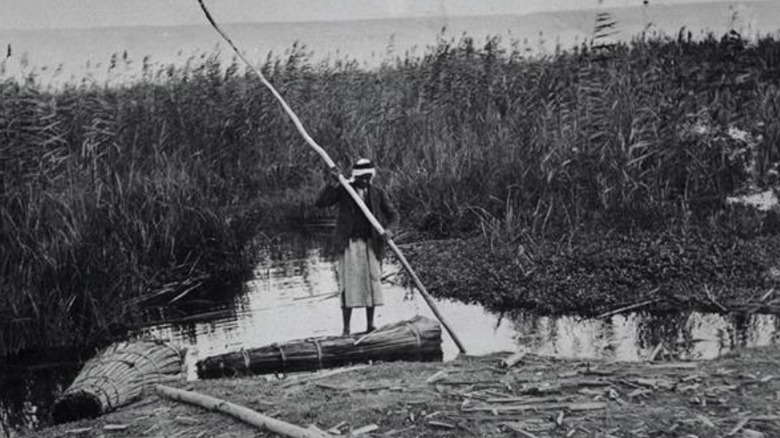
<point>330,386</point>
<point>738,427</point>
<point>519,417</point>
<point>364,430</point>
<point>673,365</point>
<point>585,406</point>
<point>242,413</point>
<point>472,382</point>
<point>516,428</point>
<point>512,360</point>
<point>336,430</point>
<point>584,383</point>
<point>436,377</point>
<point>352,388</point>
<point>321,375</point>
<point>397,431</point>
<point>712,299</point>
<point>116,427</point>
<point>631,307</point>
<point>639,392</point>
<point>441,424</point>
<point>655,352</point>
<point>750,433</point>
<point>530,400</point>
<point>705,420</point>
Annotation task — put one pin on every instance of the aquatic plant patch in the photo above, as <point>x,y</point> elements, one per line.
<point>596,273</point>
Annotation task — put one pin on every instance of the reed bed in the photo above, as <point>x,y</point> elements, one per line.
<point>115,377</point>
<point>110,194</point>
<point>418,339</point>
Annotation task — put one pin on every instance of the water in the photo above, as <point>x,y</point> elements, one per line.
<point>72,54</point>
<point>292,296</point>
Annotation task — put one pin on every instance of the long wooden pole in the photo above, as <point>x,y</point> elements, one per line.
<point>241,412</point>
<point>342,180</point>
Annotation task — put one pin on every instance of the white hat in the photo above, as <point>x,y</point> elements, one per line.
<point>363,166</point>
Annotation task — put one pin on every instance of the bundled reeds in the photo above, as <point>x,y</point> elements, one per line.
<point>115,377</point>
<point>417,339</point>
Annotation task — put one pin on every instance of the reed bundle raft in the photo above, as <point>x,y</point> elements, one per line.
<point>417,339</point>
<point>115,377</point>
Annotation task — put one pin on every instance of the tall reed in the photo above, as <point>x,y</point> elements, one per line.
<point>112,192</point>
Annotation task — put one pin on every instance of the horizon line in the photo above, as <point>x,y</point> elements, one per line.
<point>345,20</point>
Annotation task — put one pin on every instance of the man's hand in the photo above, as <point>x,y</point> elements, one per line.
<point>388,234</point>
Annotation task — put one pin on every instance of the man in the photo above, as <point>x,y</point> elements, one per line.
<point>359,246</point>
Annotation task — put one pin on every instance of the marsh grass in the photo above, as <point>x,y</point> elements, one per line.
<point>112,192</point>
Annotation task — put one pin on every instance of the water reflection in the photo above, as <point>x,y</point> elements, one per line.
<point>292,296</point>
<point>634,336</point>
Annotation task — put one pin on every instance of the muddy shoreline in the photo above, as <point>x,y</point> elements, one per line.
<point>735,395</point>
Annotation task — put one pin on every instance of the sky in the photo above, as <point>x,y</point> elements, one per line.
<point>53,14</point>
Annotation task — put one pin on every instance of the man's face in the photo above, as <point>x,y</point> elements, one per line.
<point>362,181</point>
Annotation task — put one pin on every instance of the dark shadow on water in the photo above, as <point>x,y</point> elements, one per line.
<point>28,391</point>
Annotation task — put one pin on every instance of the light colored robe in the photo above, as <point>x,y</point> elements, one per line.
<point>360,276</point>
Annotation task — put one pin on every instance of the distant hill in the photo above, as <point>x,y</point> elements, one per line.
<point>83,52</point>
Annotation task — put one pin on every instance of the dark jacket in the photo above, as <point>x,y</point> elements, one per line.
<point>349,214</point>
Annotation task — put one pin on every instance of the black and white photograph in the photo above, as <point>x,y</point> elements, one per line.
<point>390,218</point>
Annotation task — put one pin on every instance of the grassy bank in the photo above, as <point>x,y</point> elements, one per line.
<point>114,195</point>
